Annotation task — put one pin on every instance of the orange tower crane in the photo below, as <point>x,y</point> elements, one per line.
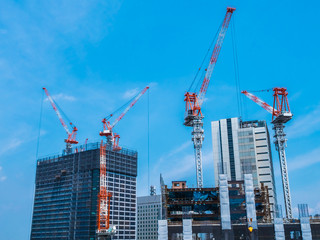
<point>193,115</point>
<point>281,114</point>
<point>71,134</point>
<point>103,215</point>
<point>112,137</point>
<point>104,197</point>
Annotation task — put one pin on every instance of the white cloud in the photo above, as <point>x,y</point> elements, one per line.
<point>179,149</point>
<point>153,85</point>
<point>2,177</point>
<point>130,93</point>
<point>172,153</point>
<point>11,145</point>
<point>305,160</point>
<point>307,124</point>
<point>185,166</point>
<point>63,97</point>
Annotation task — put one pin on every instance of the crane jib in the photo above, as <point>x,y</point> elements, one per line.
<point>214,56</point>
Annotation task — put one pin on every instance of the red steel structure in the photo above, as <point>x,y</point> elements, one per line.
<point>281,114</point>
<point>280,102</point>
<point>104,197</point>
<point>71,134</point>
<point>193,101</point>
<point>112,137</point>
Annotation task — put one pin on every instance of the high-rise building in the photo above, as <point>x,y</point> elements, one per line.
<point>243,148</point>
<point>148,214</point>
<point>66,194</point>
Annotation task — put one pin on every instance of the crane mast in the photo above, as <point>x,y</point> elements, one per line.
<point>281,114</point>
<point>104,197</point>
<point>193,116</point>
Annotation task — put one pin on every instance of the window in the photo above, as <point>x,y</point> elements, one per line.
<point>262,146</point>
<point>263,160</point>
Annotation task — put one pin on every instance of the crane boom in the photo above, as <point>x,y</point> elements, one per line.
<point>71,134</point>
<point>113,138</point>
<point>130,106</point>
<point>258,101</point>
<point>215,54</point>
<point>56,110</point>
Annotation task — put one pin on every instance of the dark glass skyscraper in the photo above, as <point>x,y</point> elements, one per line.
<point>66,194</point>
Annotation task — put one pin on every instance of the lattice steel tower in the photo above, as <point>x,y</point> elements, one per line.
<point>281,114</point>
<point>193,115</point>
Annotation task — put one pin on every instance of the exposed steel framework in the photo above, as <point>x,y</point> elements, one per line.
<point>194,101</point>
<point>104,197</point>
<point>280,102</point>
<point>112,137</point>
<point>71,134</point>
<point>280,115</point>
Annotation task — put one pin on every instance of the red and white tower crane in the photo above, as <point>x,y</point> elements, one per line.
<point>112,137</point>
<point>281,114</point>
<point>71,134</point>
<point>104,231</point>
<point>193,114</point>
<point>104,198</point>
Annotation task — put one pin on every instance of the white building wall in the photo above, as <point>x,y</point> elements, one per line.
<point>216,145</point>
<point>148,214</point>
<point>257,150</point>
<point>235,130</point>
<point>264,162</point>
<point>225,148</point>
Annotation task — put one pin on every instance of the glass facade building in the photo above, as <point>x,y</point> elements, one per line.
<point>243,148</point>
<point>148,214</point>
<point>66,194</point>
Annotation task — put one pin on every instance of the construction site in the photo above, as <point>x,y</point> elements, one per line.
<point>90,190</point>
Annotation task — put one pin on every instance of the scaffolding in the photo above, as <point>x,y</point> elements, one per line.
<point>67,188</point>
<point>203,204</point>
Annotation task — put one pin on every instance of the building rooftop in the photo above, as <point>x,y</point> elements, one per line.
<point>148,199</point>
<point>83,148</point>
<point>253,123</point>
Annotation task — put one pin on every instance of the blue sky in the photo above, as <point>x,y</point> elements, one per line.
<point>93,55</point>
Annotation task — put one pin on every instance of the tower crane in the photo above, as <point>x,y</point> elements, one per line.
<point>104,197</point>
<point>193,114</point>
<point>112,137</point>
<point>104,231</point>
<point>281,114</point>
<point>71,134</point>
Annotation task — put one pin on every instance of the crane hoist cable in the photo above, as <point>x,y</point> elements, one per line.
<point>40,123</point>
<point>194,100</point>
<point>113,138</point>
<point>71,133</point>
<point>199,80</point>
<point>122,107</point>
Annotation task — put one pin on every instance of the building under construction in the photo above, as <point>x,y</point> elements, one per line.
<point>67,189</point>
<point>234,210</point>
